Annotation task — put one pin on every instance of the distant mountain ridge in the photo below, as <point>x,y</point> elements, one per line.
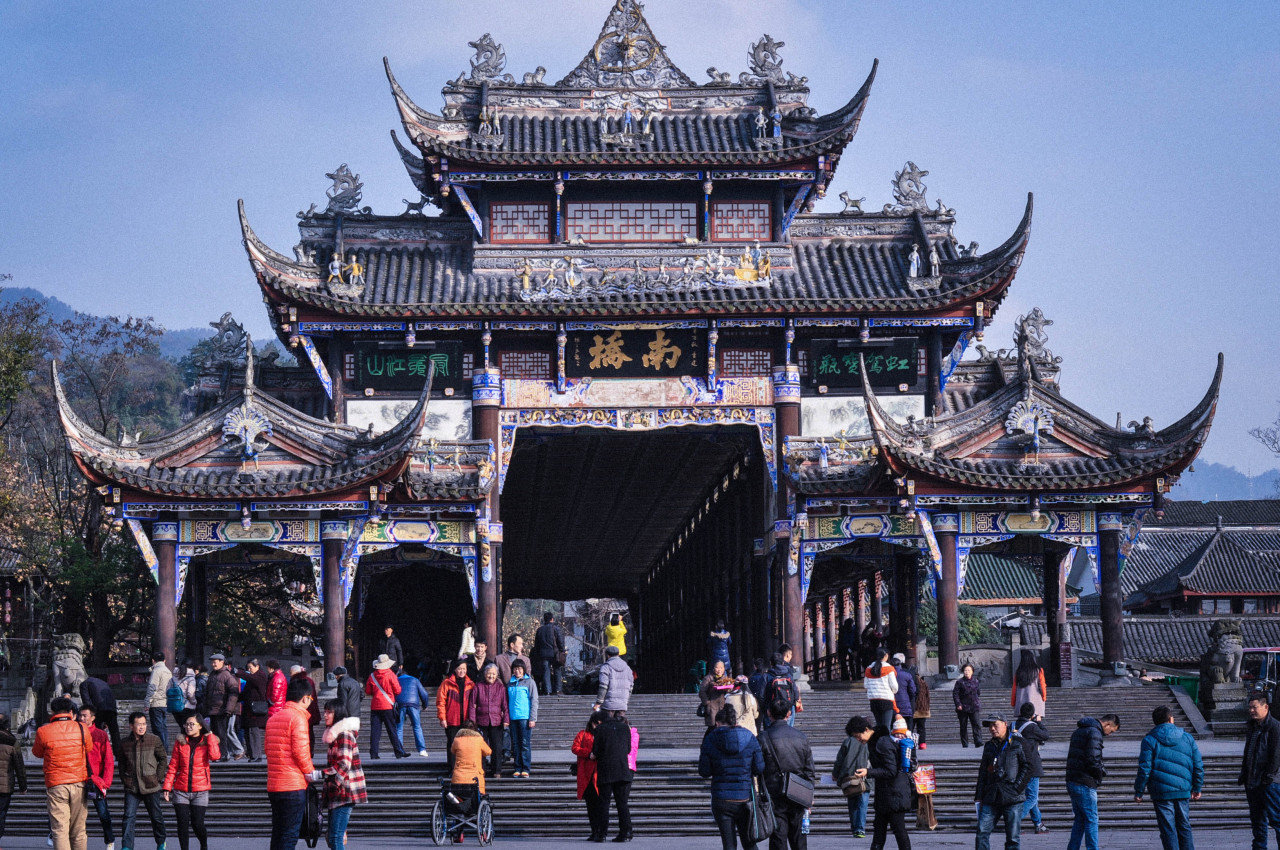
<point>1215,482</point>
<point>174,343</point>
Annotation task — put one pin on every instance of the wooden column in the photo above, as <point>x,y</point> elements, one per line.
<point>831,604</point>
<point>486,396</point>
<point>909,566</point>
<point>945,527</point>
<point>1052,622</point>
<point>876,605</point>
<point>933,403</point>
<point>333,538</point>
<point>786,398</point>
<point>164,540</point>
<point>859,608</point>
<point>197,594</point>
<point>1109,526</point>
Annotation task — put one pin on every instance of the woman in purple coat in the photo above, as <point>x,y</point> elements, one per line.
<point>968,700</point>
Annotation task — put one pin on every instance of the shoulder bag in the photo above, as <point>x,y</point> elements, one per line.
<point>795,787</point>
<point>763,821</point>
<point>852,786</point>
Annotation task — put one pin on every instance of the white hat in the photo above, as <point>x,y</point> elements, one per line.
<point>384,662</point>
<point>297,668</point>
<point>899,658</point>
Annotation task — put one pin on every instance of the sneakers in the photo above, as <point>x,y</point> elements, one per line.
<point>923,745</point>
<point>859,835</point>
<point>422,753</point>
<point>111,845</point>
<point>1041,829</point>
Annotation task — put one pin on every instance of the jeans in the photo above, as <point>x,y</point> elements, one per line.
<point>858,812</point>
<point>621,793</point>
<point>1264,811</point>
<point>337,826</point>
<point>110,721</point>
<point>886,820</point>
<point>1174,819</point>
<point>917,726</point>
<point>882,710</point>
<point>384,717</point>
<point>1084,806</point>
<point>154,812</point>
<point>414,713</point>
<point>286,817</point>
<point>969,719</point>
<point>522,747</point>
<point>104,818</point>
<point>550,676</point>
<point>158,720</point>
<point>1032,805</point>
<point>233,736</point>
<point>987,816</point>
<point>733,818</point>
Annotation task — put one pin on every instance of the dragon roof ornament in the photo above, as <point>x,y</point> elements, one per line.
<point>488,64</point>
<point>766,65</point>
<point>344,195</point>
<point>626,55</point>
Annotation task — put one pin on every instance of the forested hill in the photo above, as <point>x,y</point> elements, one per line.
<point>174,344</point>
<point>1215,482</point>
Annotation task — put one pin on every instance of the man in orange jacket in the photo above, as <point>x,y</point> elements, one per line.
<point>289,767</point>
<point>64,745</point>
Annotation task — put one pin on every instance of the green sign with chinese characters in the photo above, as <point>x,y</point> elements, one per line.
<point>404,368</point>
<point>834,362</point>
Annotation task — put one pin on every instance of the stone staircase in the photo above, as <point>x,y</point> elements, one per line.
<point>669,798</point>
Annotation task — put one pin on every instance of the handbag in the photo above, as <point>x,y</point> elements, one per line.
<point>795,787</point>
<point>562,658</point>
<point>702,709</point>
<point>573,768</point>
<point>763,821</point>
<point>852,786</point>
<point>259,706</point>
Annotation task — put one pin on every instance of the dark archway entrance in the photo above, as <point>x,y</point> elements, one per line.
<point>666,519</point>
<point>422,593</point>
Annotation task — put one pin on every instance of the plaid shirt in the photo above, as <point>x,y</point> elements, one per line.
<point>344,783</point>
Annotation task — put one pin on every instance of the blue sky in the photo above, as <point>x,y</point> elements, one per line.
<point>1147,131</point>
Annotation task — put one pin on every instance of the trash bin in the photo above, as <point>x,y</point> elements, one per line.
<point>1191,684</point>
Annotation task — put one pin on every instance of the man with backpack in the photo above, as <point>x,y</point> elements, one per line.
<point>158,697</point>
<point>779,684</point>
<point>1002,783</point>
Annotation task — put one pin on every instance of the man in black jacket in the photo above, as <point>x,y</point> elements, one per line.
<point>1002,784</point>
<point>98,695</point>
<point>612,753</point>
<point>1085,773</point>
<point>390,646</point>
<point>1260,771</point>
<point>786,750</point>
<point>548,643</point>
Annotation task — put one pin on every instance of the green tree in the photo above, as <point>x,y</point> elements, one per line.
<point>972,624</point>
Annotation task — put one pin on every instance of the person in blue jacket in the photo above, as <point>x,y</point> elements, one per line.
<point>731,758</point>
<point>409,703</point>
<point>522,714</point>
<point>1171,771</point>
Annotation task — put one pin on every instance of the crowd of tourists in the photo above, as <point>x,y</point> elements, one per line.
<point>761,768</point>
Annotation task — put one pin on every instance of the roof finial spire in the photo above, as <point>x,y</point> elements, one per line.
<point>248,366</point>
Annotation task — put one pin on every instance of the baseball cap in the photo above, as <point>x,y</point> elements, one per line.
<point>994,717</point>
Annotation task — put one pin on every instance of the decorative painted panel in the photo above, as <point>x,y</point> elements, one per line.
<point>846,416</point>
<point>637,392</point>
<point>1015,522</point>
<point>515,223</point>
<point>741,221</point>
<point>631,222</point>
<point>417,531</point>
<point>232,532</point>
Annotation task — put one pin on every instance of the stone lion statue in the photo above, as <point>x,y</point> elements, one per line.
<point>1221,663</point>
<point>68,664</point>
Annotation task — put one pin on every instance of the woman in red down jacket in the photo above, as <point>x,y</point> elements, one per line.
<point>487,708</point>
<point>187,780</point>
<point>279,685</point>
<point>583,744</point>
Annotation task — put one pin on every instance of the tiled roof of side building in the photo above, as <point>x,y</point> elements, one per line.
<point>1219,566</point>
<point>1235,512</point>
<point>1177,640</point>
<point>992,576</point>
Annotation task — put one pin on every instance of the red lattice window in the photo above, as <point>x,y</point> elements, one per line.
<point>527,365</point>
<point>631,222</point>
<point>519,223</point>
<point>746,362</point>
<point>741,221</point>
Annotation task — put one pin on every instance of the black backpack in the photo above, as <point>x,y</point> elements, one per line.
<point>312,830</point>
<point>780,686</point>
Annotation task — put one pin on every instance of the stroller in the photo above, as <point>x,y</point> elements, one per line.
<point>459,807</point>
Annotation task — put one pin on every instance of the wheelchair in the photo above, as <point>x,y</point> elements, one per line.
<point>460,807</point>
